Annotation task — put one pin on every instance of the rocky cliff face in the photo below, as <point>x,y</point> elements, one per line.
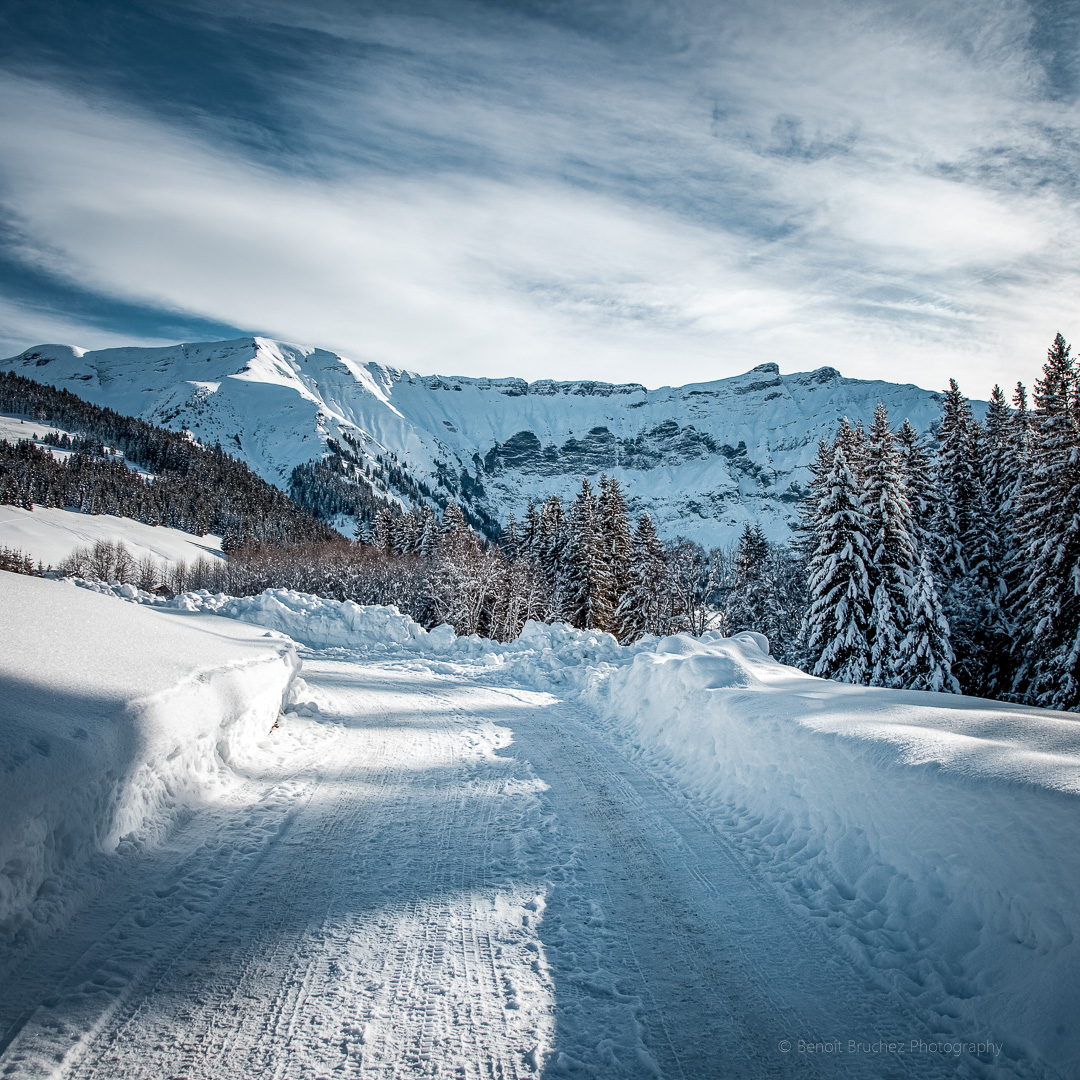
<point>702,458</point>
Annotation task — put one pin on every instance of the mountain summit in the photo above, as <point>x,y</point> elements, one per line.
<point>702,458</point>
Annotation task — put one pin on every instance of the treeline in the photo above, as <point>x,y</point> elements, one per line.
<point>191,487</point>
<point>586,563</point>
<point>956,566</point>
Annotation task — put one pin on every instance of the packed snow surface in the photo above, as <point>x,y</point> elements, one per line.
<point>49,535</point>
<point>562,856</point>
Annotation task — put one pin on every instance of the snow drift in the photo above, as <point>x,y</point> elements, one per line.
<point>115,719</point>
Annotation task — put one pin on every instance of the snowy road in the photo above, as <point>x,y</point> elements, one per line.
<point>467,881</point>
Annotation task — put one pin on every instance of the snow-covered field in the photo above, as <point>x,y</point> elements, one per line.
<point>49,535</point>
<point>557,856</point>
<point>116,721</point>
<point>14,429</point>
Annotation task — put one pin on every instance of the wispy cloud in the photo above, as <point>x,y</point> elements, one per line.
<point>661,192</point>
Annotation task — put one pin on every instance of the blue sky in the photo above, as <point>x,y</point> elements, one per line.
<point>657,191</point>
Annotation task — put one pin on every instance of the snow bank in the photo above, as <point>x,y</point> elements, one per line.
<point>115,719</point>
<point>50,535</point>
<point>542,650</point>
<point>937,833</point>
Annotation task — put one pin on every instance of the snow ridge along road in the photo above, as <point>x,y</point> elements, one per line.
<point>465,880</point>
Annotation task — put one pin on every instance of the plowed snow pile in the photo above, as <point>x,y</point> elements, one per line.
<point>113,720</point>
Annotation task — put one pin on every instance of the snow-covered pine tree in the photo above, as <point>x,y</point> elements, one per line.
<point>925,654</point>
<point>750,597</point>
<point>588,572</point>
<point>1002,472</point>
<point>643,607</point>
<point>890,530</point>
<point>453,519</point>
<point>382,532</point>
<point>552,547</point>
<point>919,485</point>
<point>511,537</point>
<point>530,530</point>
<point>406,534</point>
<point>840,599</point>
<point>1048,607</point>
<point>616,537</point>
<point>429,533</point>
<point>960,529</point>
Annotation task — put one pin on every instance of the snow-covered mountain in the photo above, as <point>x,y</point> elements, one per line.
<point>702,458</point>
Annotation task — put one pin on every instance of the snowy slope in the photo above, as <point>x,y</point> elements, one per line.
<point>701,458</point>
<point>49,535</point>
<point>115,720</point>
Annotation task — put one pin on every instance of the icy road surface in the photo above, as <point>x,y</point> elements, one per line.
<point>467,881</point>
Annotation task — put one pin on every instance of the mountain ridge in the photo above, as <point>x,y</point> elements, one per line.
<point>702,458</point>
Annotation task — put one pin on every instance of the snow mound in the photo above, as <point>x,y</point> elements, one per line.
<point>312,620</point>
<point>116,720</point>
<point>937,833</point>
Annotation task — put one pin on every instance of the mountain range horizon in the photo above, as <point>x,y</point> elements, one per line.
<point>703,458</point>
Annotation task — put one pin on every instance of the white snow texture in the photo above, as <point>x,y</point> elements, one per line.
<point>934,835</point>
<point>115,719</point>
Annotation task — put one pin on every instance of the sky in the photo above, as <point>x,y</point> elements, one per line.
<point>658,191</point>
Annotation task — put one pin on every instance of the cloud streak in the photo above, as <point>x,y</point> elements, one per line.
<point>664,193</point>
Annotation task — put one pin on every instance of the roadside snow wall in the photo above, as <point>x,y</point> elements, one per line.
<point>114,719</point>
<point>937,834</point>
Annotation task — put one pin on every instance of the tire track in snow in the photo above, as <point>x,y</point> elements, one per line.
<point>727,970</point>
<point>366,941</point>
<point>397,927</point>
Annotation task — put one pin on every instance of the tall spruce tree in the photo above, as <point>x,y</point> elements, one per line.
<point>890,530</point>
<point>751,596</point>
<point>643,607</point>
<point>839,583</point>
<point>616,537</point>
<point>588,572</point>
<point>1048,604</point>
<point>1001,475</point>
<point>925,656</point>
<point>961,533</point>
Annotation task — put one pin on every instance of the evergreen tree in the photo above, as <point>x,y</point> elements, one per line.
<point>643,605</point>
<point>382,533</point>
<point>890,530</point>
<point>429,533</point>
<point>589,587</point>
<point>1002,470</point>
<point>840,600</point>
<point>1048,605</point>
<point>616,538</point>
<point>963,549</point>
<point>925,654</point>
<point>750,596</point>
<point>552,546</point>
